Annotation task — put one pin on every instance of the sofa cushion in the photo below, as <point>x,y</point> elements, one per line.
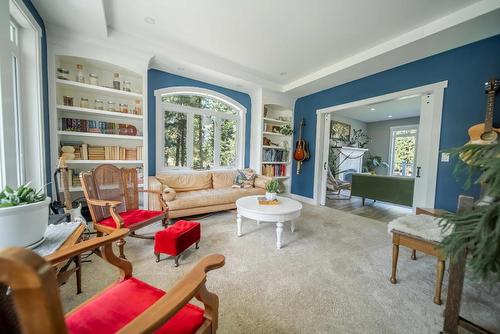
<point>244,178</point>
<point>168,193</point>
<point>223,179</point>
<point>186,181</point>
<point>208,197</point>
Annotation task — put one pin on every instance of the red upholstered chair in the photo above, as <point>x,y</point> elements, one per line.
<point>112,195</point>
<point>129,305</point>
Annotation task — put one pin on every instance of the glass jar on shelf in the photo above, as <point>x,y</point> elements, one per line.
<point>99,105</point>
<point>62,73</point>
<point>127,86</point>
<point>111,106</point>
<point>68,100</point>
<point>93,79</point>
<point>116,81</point>
<point>84,102</point>
<point>123,108</point>
<point>138,107</point>
<point>79,73</point>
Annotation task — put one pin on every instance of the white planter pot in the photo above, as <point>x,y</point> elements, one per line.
<point>23,225</point>
<point>271,196</point>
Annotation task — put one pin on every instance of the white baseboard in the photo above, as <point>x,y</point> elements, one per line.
<point>304,199</point>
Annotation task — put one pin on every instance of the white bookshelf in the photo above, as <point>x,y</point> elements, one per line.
<point>104,92</point>
<point>274,117</point>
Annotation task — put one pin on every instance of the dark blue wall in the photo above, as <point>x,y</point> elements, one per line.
<point>45,92</point>
<point>158,79</point>
<point>466,69</point>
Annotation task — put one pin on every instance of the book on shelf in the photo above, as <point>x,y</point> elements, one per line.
<point>90,126</point>
<point>86,152</point>
<point>273,170</point>
<point>274,155</point>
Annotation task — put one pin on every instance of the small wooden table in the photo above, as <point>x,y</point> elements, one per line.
<point>61,269</point>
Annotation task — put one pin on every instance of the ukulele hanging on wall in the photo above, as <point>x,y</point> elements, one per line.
<point>301,152</point>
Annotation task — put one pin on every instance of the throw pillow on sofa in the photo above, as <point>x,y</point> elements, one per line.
<point>244,178</point>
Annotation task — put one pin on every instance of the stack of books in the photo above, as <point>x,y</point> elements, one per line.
<point>273,170</point>
<point>83,125</point>
<point>86,152</point>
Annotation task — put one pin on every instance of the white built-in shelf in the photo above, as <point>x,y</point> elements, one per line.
<point>76,189</point>
<point>97,135</point>
<point>275,147</point>
<point>106,113</point>
<point>277,121</point>
<point>280,177</point>
<point>99,162</point>
<point>274,134</point>
<point>275,163</point>
<point>98,89</point>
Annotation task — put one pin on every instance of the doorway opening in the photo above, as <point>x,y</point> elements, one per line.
<point>378,157</point>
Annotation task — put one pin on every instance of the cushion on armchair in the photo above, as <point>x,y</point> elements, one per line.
<point>132,217</point>
<point>122,303</point>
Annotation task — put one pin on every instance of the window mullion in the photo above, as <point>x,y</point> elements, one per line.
<point>217,134</point>
<point>189,140</point>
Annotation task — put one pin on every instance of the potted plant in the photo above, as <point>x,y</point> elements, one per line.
<point>373,162</point>
<point>24,215</point>
<point>286,130</point>
<point>477,229</point>
<point>272,189</point>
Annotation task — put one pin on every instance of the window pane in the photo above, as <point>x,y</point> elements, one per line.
<point>228,142</point>
<point>404,152</point>
<point>201,102</point>
<point>203,142</point>
<point>175,139</point>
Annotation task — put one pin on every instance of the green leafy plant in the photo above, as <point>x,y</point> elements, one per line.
<point>286,130</point>
<point>22,195</point>
<point>273,186</point>
<point>478,229</point>
<point>373,162</point>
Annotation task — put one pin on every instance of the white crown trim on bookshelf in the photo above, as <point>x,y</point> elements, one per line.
<point>99,162</point>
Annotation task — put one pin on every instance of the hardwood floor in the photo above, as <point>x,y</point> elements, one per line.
<point>381,211</point>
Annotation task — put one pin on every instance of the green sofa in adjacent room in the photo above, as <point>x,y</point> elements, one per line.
<point>392,189</point>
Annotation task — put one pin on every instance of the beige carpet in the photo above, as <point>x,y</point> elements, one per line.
<point>331,276</point>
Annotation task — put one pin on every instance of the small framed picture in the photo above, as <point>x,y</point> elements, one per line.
<point>276,129</point>
<point>339,130</point>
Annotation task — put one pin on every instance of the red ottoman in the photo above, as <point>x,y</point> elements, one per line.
<point>177,238</point>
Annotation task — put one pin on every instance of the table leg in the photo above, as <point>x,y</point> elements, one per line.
<point>238,223</point>
<point>292,226</point>
<point>279,232</point>
<point>78,264</point>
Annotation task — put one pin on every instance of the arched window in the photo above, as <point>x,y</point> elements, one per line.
<point>199,129</point>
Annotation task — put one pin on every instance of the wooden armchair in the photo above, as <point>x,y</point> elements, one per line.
<point>112,195</point>
<point>31,303</point>
<point>335,186</point>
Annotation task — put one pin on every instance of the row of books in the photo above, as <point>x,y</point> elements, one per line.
<point>86,152</point>
<point>74,177</point>
<point>273,170</point>
<point>274,155</point>
<point>83,125</point>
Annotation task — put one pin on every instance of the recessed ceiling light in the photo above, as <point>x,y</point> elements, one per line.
<point>180,68</point>
<point>390,116</point>
<point>149,20</point>
<point>372,109</point>
<point>283,73</point>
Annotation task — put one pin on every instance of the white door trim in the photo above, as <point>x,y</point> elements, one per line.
<point>434,123</point>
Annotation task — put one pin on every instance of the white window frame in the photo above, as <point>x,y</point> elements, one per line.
<point>240,116</point>
<point>393,130</point>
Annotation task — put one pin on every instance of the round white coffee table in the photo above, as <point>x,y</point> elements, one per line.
<point>287,210</point>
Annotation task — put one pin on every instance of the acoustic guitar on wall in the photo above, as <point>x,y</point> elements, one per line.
<point>485,133</point>
<point>301,152</point>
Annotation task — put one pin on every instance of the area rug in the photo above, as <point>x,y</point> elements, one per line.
<point>331,276</point>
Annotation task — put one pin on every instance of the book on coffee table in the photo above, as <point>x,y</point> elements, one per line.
<point>264,201</point>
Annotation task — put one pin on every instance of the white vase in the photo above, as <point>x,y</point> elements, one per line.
<point>23,225</point>
<point>271,196</point>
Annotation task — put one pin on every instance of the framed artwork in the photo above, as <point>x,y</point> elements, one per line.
<point>339,130</point>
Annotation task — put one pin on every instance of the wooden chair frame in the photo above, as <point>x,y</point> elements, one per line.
<point>36,296</point>
<point>114,206</point>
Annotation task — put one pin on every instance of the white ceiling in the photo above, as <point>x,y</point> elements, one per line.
<point>291,46</point>
<point>384,111</point>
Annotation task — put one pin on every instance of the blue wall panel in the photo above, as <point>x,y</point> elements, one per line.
<point>466,69</point>
<point>158,79</point>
